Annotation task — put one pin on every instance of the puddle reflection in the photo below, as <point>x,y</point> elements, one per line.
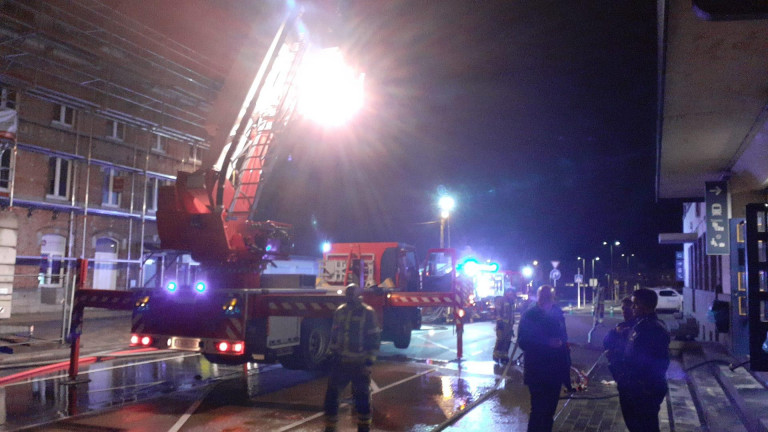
<point>48,398</point>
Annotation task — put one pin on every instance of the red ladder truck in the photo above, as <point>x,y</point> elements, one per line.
<point>237,313</point>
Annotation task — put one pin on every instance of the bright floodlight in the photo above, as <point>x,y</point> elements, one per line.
<point>446,204</point>
<point>326,247</point>
<point>527,271</point>
<point>330,91</point>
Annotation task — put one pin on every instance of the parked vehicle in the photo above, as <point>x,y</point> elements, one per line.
<point>669,300</point>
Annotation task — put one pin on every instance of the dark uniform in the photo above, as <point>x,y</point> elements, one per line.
<point>505,323</point>
<point>615,344</point>
<point>355,338</point>
<point>546,369</point>
<point>646,358</point>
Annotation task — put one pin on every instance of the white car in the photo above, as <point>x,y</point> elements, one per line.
<point>669,300</point>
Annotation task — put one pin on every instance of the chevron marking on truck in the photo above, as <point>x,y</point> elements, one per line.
<point>425,300</point>
<point>114,300</point>
<point>234,328</point>
<point>301,306</point>
<point>138,322</point>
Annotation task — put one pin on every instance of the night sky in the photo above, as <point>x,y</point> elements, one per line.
<point>538,116</point>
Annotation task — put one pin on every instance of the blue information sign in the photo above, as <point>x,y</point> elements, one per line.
<point>718,234</point>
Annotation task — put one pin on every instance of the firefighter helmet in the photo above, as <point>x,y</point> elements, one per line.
<point>353,293</point>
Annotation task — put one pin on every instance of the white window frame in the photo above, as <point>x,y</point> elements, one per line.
<point>104,266</point>
<point>7,98</point>
<point>6,155</point>
<point>113,198</point>
<point>153,186</point>
<point>155,183</point>
<point>52,253</point>
<point>194,153</point>
<point>61,120</point>
<point>116,131</point>
<point>60,175</point>
<point>160,144</point>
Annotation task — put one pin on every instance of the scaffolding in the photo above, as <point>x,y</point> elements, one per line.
<point>85,55</point>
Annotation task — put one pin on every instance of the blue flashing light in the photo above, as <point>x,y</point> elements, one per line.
<point>200,286</point>
<point>470,267</point>
<point>269,248</point>
<point>171,286</point>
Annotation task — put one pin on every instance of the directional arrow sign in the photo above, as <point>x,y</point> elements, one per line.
<point>718,235</point>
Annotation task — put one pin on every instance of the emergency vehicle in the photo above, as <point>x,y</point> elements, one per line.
<point>239,310</point>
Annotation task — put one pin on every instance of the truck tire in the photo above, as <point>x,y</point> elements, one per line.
<point>312,352</point>
<point>402,335</point>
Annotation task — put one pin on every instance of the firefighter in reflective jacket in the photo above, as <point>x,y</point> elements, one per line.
<point>505,322</point>
<point>355,338</point>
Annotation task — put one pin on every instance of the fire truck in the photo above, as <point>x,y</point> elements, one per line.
<point>239,310</point>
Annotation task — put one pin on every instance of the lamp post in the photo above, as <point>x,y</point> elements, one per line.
<point>579,292</point>
<point>593,265</point>
<point>629,273</point>
<point>627,255</point>
<point>590,282</point>
<point>610,274</point>
<point>446,204</point>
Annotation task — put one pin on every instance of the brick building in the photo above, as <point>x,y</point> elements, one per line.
<point>106,111</point>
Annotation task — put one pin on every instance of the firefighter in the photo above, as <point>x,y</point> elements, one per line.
<point>505,322</point>
<point>355,338</point>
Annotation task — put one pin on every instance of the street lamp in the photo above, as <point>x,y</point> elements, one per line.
<point>593,265</point>
<point>628,255</point>
<point>583,265</point>
<point>578,285</point>
<point>446,204</point>
<point>611,245</point>
<point>610,275</point>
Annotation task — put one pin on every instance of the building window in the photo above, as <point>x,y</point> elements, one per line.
<point>113,188</point>
<point>63,115</point>
<point>52,248</point>
<point>115,130</point>
<point>105,264</point>
<point>5,169</point>
<point>153,187</point>
<point>194,153</point>
<point>59,173</point>
<point>160,144</point>
<point>7,98</point>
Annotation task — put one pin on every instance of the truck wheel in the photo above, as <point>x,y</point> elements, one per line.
<point>402,335</point>
<point>313,349</point>
<point>315,341</point>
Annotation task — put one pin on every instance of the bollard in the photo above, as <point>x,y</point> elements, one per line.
<point>459,332</point>
<point>570,308</point>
